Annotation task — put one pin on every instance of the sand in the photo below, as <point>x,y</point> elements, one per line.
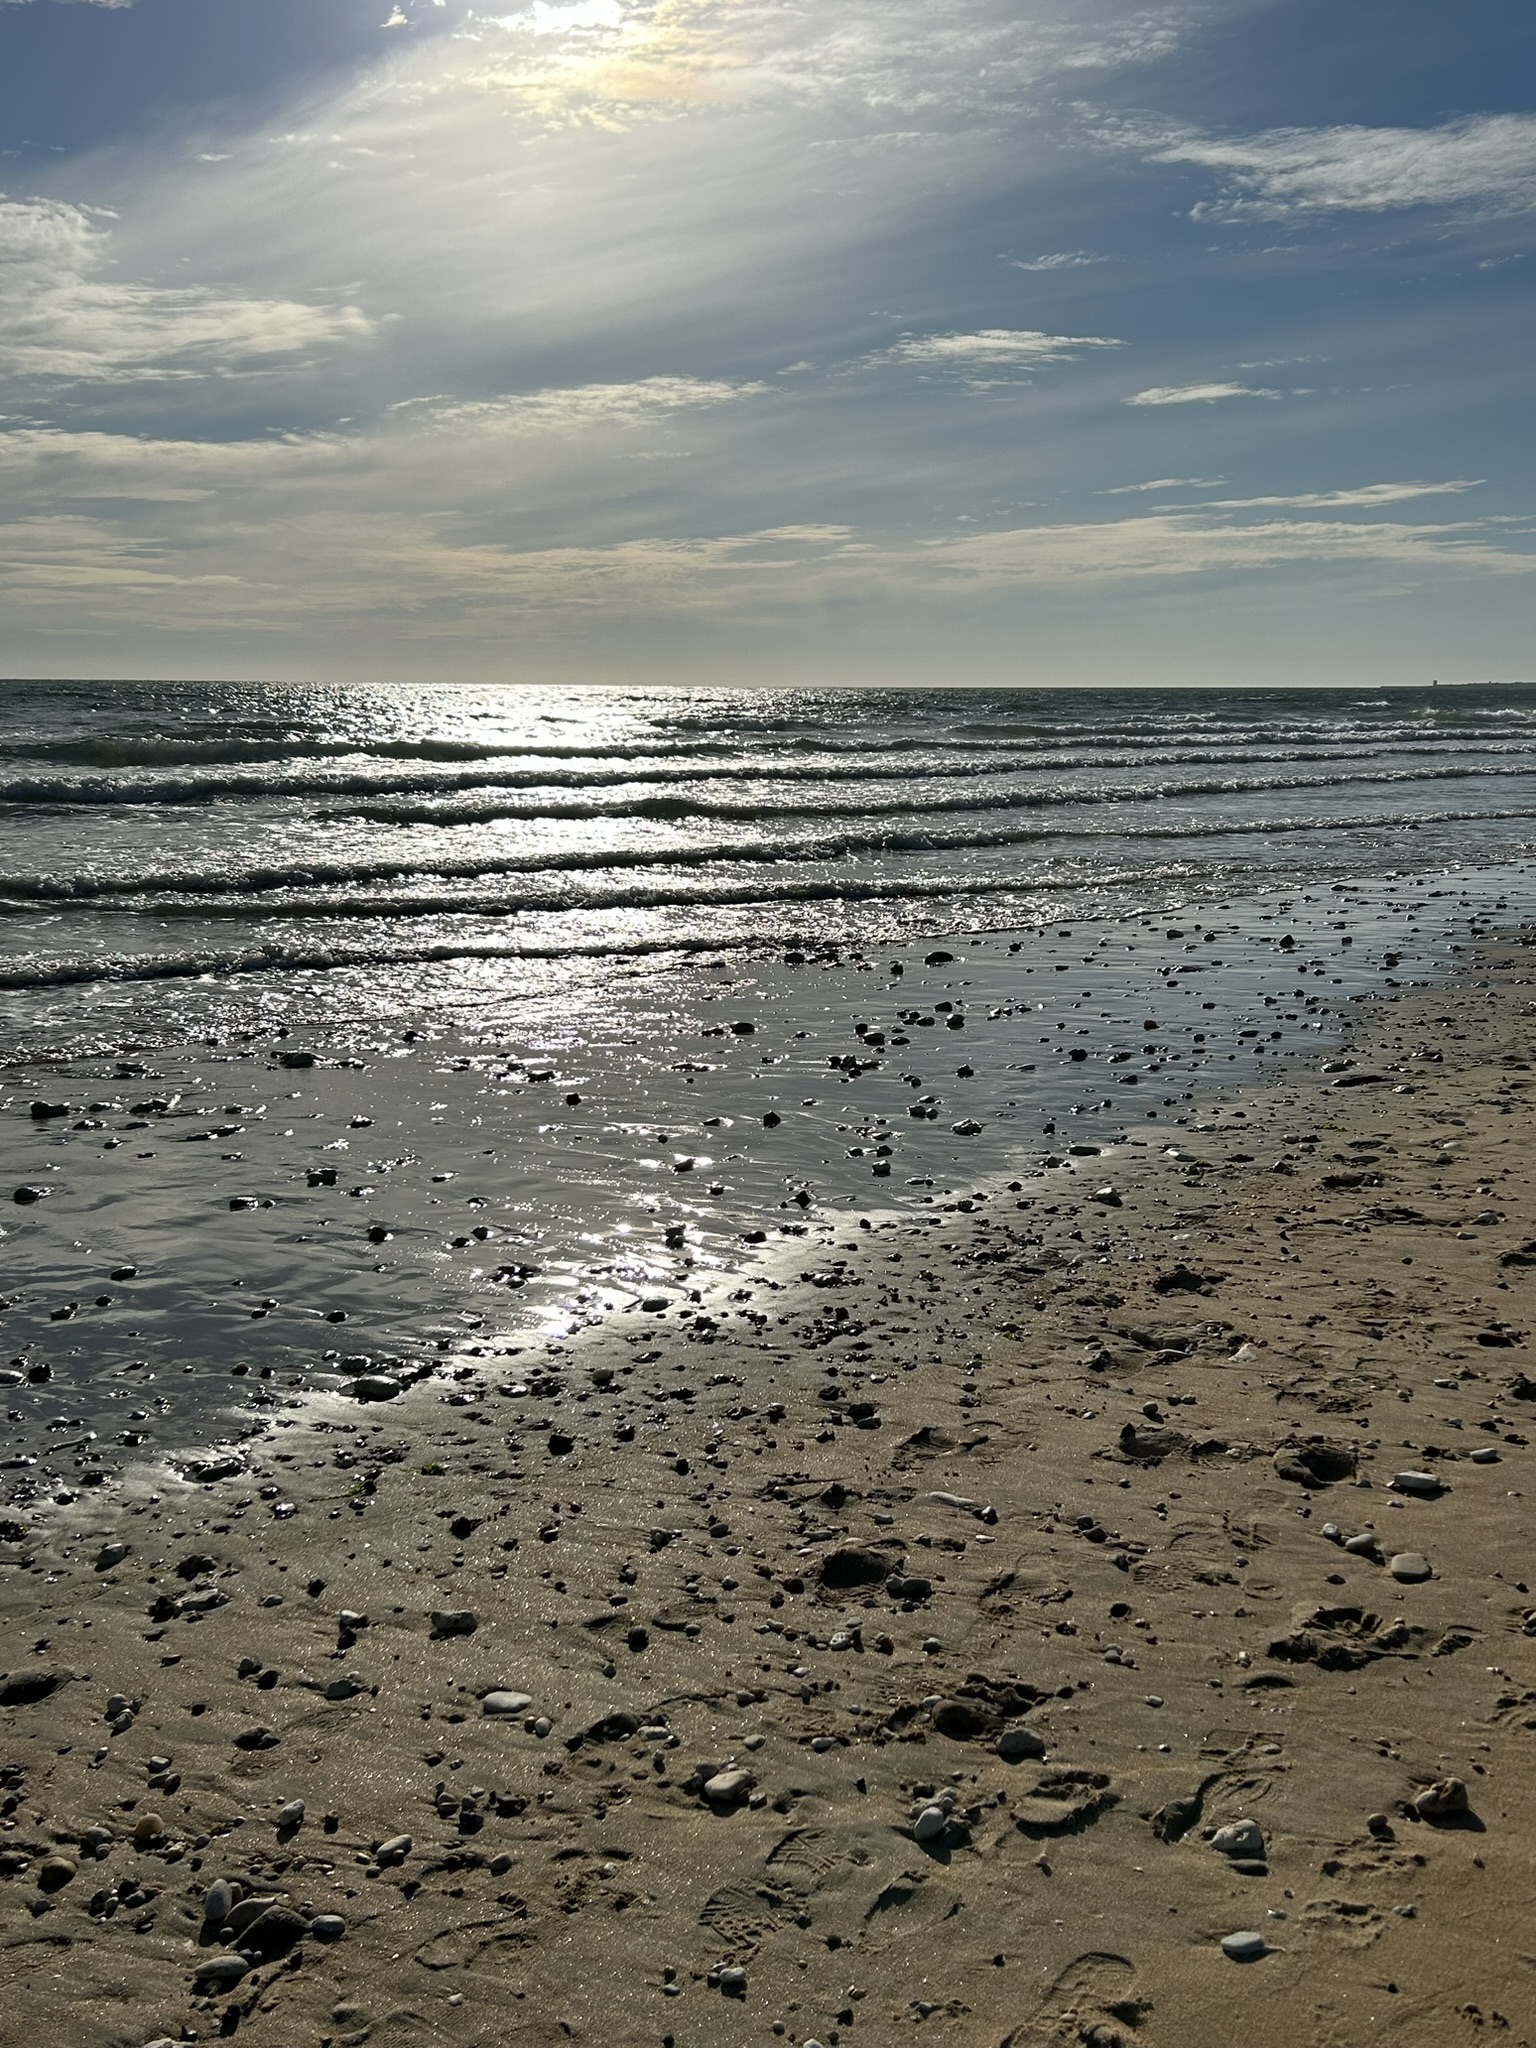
<point>896,1639</point>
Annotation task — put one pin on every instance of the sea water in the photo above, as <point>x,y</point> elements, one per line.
<point>435,1023</point>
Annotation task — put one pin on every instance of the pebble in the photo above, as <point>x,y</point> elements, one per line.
<point>930,1824</point>
<point>328,1927</point>
<point>290,1816</point>
<point>376,1386</point>
<point>1243,1838</point>
<point>274,1932</point>
<point>1014,1745</point>
<point>395,1850</point>
<point>109,1555</point>
<point>456,1621</point>
<point>1425,1483</point>
<point>1245,1946</point>
<point>1485,1454</point>
<point>728,1788</point>
<point>1445,1796</point>
<point>218,1901</point>
<point>733,1982</point>
<point>149,1827</point>
<point>506,1703</point>
<point>54,1872</point>
<point>1409,1567</point>
<point>241,1916</point>
<point>220,1973</point>
<point>1363,1545</point>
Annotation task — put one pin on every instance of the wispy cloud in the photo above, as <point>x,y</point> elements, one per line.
<point>636,403</point>
<point>923,59</point>
<point>1196,394</point>
<point>61,319</point>
<point>1363,495</point>
<point>1163,483</point>
<point>1483,162</point>
<point>1062,259</point>
<point>303,535</point>
<point>992,348</point>
<point>1169,545</point>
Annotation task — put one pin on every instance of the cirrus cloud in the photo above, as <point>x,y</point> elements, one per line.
<point>1196,394</point>
<point>1485,163</point>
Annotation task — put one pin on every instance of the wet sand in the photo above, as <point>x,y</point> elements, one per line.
<point>888,1643</point>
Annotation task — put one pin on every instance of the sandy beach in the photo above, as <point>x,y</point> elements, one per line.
<point>957,1637</point>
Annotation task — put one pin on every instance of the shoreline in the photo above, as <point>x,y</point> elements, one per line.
<point>453,1195</point>
<point>1040,1491</point>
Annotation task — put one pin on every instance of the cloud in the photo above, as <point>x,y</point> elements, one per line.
<point>1170,545</point>
<point>1164,483</point>
<point>1361,495</point>
<point>1063,259</point>
<point>992,348</point>
<point>545,19</point>
<point>931,60</point>
<point>639,402</point>
<point>1485,163</point>
<point>60,319</point>
<point>304,538</point>
<point>1195,394</point>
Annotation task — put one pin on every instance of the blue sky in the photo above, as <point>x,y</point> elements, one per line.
<point>930,341</point>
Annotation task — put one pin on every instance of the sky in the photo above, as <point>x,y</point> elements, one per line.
<point>794,342</point>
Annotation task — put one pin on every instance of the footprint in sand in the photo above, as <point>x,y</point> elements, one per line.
<point>1094,2001</point>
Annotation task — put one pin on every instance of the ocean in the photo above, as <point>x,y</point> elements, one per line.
<point>425,1026</point>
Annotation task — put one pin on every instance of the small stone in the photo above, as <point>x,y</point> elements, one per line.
<point>250,1909</point>
<point>456,1621</point>
<point>395,1850</point>
<point>501,1864</point>
<point>506,1703</point>
<point>1015,1745</point>
<point>218,1901</point>
<point>1424,1483</point>
<point>274,1933</point>
<point>1244,1946</point>
<point>346,1688</point>
<point>728,1788</point>
<point>1380,1825</point>
<point>149,1827</point>
<point>1485,1454</point>
<point>219,1973</point>
<point>376,1386</point>
<point>1243,1838</point>
<point>110,1555</point>
<point>1363,1545</point>
<point>1438,1801</point>
<point>328,1927</point>
<point>54,1872</point>
<point>291,1816</point>
<point>1409,1567</point>
<point>733,1982</point>
<point>930,1824</point>
<point>257,1738</point>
